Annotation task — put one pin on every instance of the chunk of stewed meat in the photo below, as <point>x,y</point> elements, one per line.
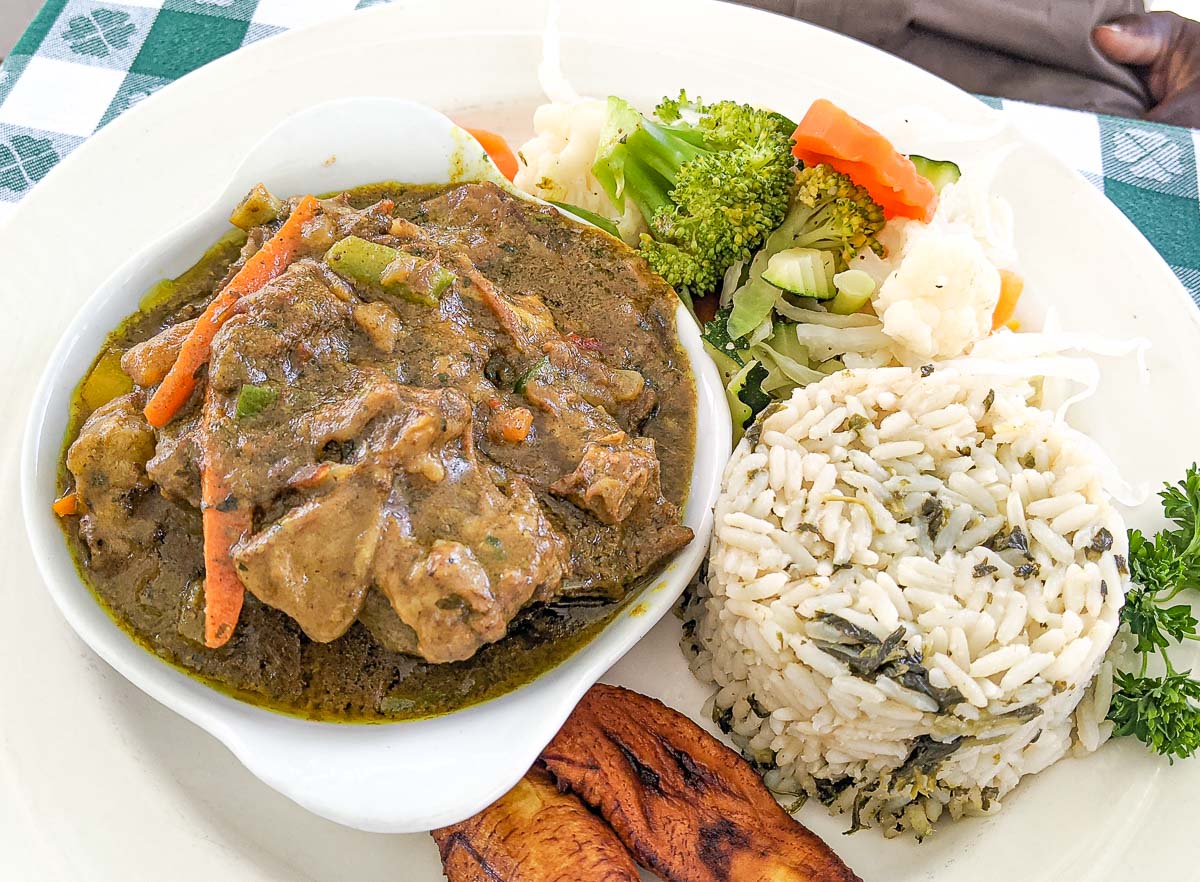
<point>148,362</point>
<point>445,595</point>
<point>612,477</point>
<point>314,562</point>
<point>175,466</point>
<point>623,393</point>
<point>380,323</point>
<point>502,550</point>
<point>108,460</point>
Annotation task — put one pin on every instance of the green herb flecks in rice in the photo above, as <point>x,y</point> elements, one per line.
<point>869,657</point>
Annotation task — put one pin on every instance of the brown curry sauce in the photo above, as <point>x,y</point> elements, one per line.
<point>585,279</point>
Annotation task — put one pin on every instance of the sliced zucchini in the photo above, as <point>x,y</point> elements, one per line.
<point>755,298</point>
<point>940,172</point>
<point>805,272</point>
<point>854,288</point>
<point>726,365</point>
<point>740,412</point>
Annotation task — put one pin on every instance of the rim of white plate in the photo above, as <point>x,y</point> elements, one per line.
<point>719,49</point>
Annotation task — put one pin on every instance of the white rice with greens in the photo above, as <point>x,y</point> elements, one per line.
<point>914,579</point>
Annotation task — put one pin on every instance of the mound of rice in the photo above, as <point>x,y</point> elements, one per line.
<point>914,579</point>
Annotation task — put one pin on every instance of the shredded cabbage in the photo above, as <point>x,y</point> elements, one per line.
<point>1006,344</point>
<point>799,373</point>
<point>824,342</point>
<point>829,319</point>
<point>764,330</point>
<point>731,282</point>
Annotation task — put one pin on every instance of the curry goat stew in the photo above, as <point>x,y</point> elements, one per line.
<point>544,324</point>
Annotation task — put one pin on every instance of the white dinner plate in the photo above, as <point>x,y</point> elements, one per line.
<point>98,782</point>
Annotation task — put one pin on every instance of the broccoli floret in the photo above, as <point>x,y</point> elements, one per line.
<point>725,124</point>
<point>671,110</point>
<point>711,181</point>
<point>831,212</point>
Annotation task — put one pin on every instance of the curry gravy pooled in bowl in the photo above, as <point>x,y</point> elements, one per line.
<point>385,455</point>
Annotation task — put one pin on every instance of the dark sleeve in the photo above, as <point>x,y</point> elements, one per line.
<point>1033,50</point>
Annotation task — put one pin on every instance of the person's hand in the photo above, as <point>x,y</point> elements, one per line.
<point>1166,47</point>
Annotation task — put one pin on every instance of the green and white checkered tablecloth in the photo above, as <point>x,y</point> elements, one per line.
<point>82,63</point>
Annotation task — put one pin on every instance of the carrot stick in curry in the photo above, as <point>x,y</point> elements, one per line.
<point>276,254</point>
<point>225,521</point>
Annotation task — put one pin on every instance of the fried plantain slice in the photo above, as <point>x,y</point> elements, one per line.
<point>534,833</point>
<point>686,806</point>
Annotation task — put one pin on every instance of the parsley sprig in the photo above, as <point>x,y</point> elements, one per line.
<point>1163,712</point>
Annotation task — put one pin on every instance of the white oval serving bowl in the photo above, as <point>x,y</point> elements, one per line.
<point>393,777</point>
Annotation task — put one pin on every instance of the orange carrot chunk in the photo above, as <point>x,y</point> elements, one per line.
<point>223,590</point>
<point>1011,286</point>
<point>66,505</point>
<point>497,148</point>
<point>266,264</point>
<point>515,424</point>
<point>225,520</point>
<point>828,134</point>
<point>509,425</point>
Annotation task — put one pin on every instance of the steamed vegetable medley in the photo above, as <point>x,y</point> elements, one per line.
<point>802,248</point>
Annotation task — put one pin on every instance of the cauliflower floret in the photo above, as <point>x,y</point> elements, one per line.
<point>938,283</point>
<point>940,299</point>
<point>964,206</point>
<point>967,205</point>
<point>894,237</point>
<point>556,164</point>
